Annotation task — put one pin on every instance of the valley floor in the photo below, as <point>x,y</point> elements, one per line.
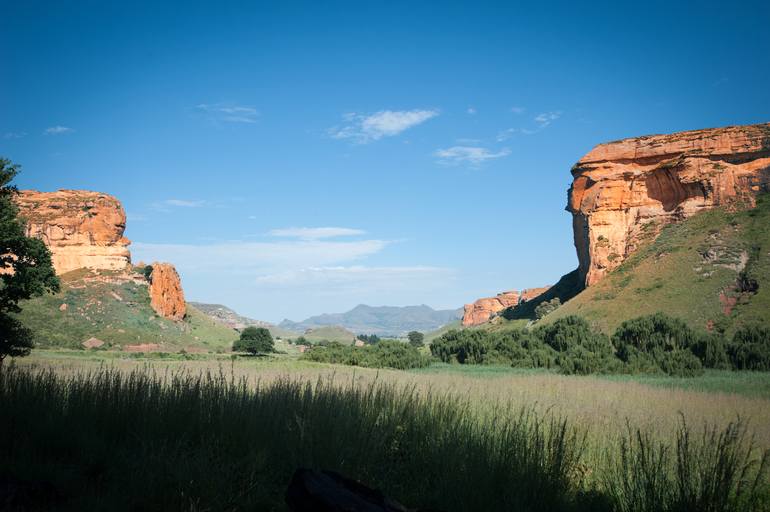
<point>600,404</point>
<point>135,431</point>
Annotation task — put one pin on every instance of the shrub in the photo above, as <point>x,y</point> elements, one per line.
<point>750,349</point>
<point>659,341</point>
<point>546,307</point>
<point>385,354</point>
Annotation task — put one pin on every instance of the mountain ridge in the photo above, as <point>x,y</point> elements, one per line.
<point>381,320</point>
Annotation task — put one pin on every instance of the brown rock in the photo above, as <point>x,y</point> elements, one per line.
<point>142,347</point>
<point>92,343</point>
<point>63,307</point>
<point>531,293</point>
<point>166,295</point>
<point>82,229</point>
<point>624,192</point>
<point>481,310</point>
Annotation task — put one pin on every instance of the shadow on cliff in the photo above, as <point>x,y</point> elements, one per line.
<point>568,286</point>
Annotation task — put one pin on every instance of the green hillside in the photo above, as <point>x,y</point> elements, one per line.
<point>710,270</point>
<point>384,321</point>
<point>232,319</point>
<point>329,333</point>
<point>116,310</point>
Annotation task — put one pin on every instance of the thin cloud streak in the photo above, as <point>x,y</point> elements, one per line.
<point>229,113</point>
<point>58,130</point>
<point>473,155</point>
<point>363,129</point>
<point>315,233</point>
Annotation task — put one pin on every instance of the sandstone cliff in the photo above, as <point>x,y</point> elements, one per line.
<point>166,295</point>
<point>483,309</point>
<point>82,229</point>
<point>624,192</point>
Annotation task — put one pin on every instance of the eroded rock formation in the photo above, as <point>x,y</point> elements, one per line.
<point>624,192</point>
<point>483,309</point>
<point>82,229</point>
<point>166,295</point>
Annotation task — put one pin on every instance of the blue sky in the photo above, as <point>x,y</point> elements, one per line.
<point>294,158</point>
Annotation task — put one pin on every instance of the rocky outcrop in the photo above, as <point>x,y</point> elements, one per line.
<point>624,192</point>
<point>483,309</point>
<point>531,293</point>
<point>166,295</point>
<point>82,229</point>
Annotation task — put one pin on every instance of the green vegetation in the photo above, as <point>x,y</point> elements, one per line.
<point>369,339</point>
<point>648,344</point>
<point>212,443</point>
<point>329,333</point>
<point>254,340</point>
<point>116,310</point>
<point>384,354</point>
<point>711,270</point>
<point>25,268</point>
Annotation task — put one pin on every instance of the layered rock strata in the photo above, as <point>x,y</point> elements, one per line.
<point>624,192</point>
<point>82,229</point>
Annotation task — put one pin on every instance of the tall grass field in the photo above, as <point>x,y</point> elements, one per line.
<point>181,438</point>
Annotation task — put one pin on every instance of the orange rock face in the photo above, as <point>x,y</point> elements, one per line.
<point>166,295</point>
<point>82,229</point>
<point>482,310</point>
<point>531,293</point>
<point>624,192</point>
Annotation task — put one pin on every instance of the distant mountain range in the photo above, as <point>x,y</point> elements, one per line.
<point>381,320</point>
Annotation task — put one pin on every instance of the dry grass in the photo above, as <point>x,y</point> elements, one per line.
<point>603,407</point>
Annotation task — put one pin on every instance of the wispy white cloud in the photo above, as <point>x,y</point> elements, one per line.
<point>257,258</point>
<point>510,132</point>
<point>385,123</point>
<point>471,110</point>
<point>315,233</point>
<point>14,135</point>
<point>168,205</point>
<point>546,118</point>
<point>229,112</point>
<point>518,110</point>
<point>58,130</point>
<point>184,203</point>
<point>473,155</point>
<point>354,278</point>
<point>542,121</point>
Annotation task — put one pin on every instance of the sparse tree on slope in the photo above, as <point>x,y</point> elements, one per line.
<point>25,268</point>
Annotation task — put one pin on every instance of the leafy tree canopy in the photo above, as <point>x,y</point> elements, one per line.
<point>254,340</point>
<point>25,267</point>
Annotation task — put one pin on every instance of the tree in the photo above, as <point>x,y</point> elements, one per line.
<point>254,340</point>
<point>25,268</point>
<point>415,339</point>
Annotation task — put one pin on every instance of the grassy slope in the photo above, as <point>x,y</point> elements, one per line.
<point>328,333</point>
<point>432,335</point>
<point>672,275</point>
<point>93,309</point>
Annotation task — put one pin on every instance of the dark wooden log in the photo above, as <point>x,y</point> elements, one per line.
<point>327,491</point>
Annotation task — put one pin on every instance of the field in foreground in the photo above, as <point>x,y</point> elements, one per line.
<point>518,440</point>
